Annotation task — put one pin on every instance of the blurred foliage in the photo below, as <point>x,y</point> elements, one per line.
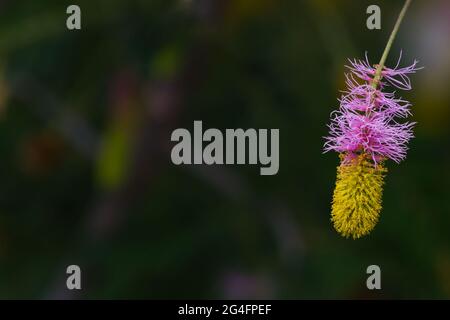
<point>85,122</point>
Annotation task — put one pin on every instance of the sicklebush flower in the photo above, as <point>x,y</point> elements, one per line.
<point>368,128</point>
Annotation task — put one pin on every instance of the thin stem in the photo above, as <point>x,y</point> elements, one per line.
<point>380,66</point>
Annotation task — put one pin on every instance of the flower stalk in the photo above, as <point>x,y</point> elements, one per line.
<point>394,32</point>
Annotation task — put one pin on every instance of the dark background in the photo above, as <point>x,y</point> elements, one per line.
<point>86,176</point>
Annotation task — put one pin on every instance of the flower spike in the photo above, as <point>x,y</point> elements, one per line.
<point>365,130</point>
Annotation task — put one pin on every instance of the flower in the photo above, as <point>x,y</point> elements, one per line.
<point>366,121</point>
<point>366,130</point>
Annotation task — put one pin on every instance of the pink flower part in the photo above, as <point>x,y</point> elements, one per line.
<point>366,118</point>
<point>353,132</point>
<point>397,77</point>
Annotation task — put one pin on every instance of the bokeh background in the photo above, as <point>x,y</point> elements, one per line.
<point>86,176</point>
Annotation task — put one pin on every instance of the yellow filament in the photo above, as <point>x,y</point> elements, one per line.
<point>357,197</point>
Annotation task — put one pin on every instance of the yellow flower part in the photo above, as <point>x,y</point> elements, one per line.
<point>357,197</point>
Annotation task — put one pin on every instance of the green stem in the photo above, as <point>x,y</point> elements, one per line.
<point>380,66</point>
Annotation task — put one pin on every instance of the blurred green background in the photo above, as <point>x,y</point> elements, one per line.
<point>86,176</point>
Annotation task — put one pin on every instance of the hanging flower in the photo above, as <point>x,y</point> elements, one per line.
<point>368,129</point>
